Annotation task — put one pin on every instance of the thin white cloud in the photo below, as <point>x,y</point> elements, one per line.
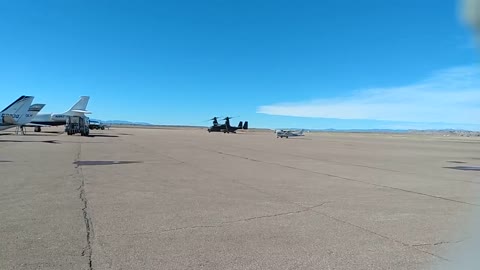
<point>448,96</point>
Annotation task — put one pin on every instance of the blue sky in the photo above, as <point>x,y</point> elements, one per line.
<point>278,63</point>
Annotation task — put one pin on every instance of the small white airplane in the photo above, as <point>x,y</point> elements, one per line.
<point>60,119</point>
<point>282,133</point>
<point>19,113</point>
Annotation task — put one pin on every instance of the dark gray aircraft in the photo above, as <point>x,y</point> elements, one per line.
<point>226,127</point>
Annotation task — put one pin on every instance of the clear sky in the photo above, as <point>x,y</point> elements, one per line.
<point>277,63</point>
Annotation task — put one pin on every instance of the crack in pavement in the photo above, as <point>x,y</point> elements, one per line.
<point>87,250</point>
<point>325,214</point>
<point>306,209</point>
<point>328,160</point>
<point>379,235</point>
<point>364,166</point>
<point>298,204</point>
<point>439,243</point>
<point>343,178</point>
<point>226,223</point>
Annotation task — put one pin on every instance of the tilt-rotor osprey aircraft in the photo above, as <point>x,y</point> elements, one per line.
<point>60,119</point>
<point>19,113</point>
<point>226,128</point>
<point>288,133</point>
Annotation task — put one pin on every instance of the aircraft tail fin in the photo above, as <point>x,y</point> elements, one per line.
<point>33,110</point>
<point>12,113</point>
<point>21,102</point>
<point>245,125</point>
<point>301,131</point>
<point>36,108</point>
<point>240,125</point>
<point>81,105</point>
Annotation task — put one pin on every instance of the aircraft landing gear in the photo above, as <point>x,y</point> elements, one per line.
<point>38,129</point>
<point>20,130</point>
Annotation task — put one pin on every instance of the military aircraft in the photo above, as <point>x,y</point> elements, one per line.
<point>226,128</point>
<point>282,133</point>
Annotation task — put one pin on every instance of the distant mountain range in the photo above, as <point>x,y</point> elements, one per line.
<point>123,122</point>
<point>432,131</point>
<point>400,131</point>
<point>363,130</point>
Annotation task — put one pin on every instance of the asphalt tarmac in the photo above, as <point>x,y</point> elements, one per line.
<point>130,198</point>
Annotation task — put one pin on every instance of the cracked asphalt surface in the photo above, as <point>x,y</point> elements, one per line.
<point>186,199</point>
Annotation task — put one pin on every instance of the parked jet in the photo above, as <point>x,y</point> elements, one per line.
<point>17,113</point>
<point>288,133</point>
<point>59,119</point>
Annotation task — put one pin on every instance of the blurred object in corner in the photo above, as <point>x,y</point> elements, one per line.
<point>471,14</point>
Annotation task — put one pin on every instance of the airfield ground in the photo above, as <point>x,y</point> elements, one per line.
<point>185,199</point>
